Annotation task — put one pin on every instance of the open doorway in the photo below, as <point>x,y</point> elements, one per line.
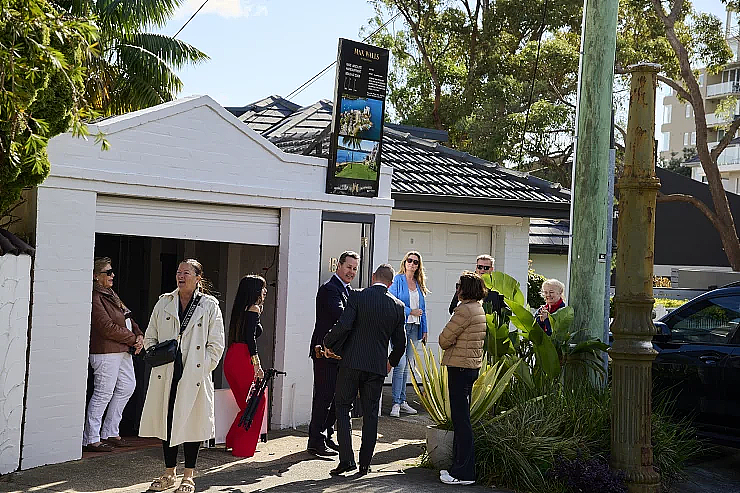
<point>145,268</point>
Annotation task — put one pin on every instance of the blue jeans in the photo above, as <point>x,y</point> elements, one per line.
<point>401,371</point>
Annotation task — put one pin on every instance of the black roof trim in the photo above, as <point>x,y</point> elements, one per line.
<point>475,205</point>
<point>10,243</point>
<point>423,133</point>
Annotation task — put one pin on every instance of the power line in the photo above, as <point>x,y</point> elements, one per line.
<point>310,81</point>
<point>191,18</point>
<point>534,78</point>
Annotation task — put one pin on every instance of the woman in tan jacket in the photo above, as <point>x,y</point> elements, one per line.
<point>462,339</point>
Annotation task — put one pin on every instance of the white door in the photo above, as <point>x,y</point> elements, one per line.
<point>446,251</point>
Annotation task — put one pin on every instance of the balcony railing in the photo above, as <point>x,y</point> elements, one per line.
<point>713,119</point>
<point>730,156</point>
<point>723,89</point>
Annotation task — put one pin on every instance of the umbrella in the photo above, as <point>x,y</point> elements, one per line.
<point>255,394</point>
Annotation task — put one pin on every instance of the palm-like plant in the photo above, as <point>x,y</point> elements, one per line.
<point>133,68</point>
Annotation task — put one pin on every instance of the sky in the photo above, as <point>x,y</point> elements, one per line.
<point>264,47</point>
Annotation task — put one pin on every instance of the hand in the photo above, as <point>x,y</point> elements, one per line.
<point>331,354</point>
<point>424,338</point>
<point>139,344</point>
<point>543,314</point>
<point>388,367</point>
<point>259,374</point>
<point>417,312</point>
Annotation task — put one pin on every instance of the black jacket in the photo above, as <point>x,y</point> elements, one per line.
<point>371,319</point>
<point>330,302</point>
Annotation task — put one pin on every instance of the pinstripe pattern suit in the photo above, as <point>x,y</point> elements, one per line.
<point>371,319</point>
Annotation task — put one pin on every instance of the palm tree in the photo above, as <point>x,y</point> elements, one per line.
<point>132,68</point>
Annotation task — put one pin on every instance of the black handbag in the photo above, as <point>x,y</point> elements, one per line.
<point>166,351</point>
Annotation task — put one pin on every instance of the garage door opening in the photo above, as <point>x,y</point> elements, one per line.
<point>145,268</point>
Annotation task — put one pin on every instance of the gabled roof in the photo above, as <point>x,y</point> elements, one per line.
<point>426,174</point>
<point>548,236</point>
<point>274,103</point>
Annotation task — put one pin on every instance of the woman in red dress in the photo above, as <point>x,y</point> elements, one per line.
<point>242,363</point>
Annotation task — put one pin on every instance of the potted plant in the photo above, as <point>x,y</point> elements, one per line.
<point>432,391</point>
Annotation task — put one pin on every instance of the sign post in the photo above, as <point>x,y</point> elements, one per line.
<point>357,122</point>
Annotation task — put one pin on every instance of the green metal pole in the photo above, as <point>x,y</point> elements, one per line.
<point>632,350</point>
<point>589,215</point>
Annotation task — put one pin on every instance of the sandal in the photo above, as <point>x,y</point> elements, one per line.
<point>164,482</point>
<point>187,485</point>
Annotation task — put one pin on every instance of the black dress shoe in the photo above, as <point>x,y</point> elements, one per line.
<point>321,452</point>
<point>364,470</point>
<point>342,468</point>
<point>331,444</point>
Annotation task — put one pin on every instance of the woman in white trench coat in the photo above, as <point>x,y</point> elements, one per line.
<point>180,411</point>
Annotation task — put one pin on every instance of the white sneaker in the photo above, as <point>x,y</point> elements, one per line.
<point>447,479</point>
<point>407,409</point>
<point>395,410</point>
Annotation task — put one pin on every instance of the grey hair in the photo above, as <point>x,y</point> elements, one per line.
<point>555,283</point>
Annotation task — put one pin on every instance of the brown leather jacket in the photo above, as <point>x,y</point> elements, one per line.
<point>464,335</point>
<point>108,332</point>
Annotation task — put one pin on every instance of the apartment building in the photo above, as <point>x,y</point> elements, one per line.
<point>678,130</point>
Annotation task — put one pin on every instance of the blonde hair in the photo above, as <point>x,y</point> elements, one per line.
<point>419,276</point>
<point>554,283</point>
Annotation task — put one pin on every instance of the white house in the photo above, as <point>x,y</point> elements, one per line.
<point>188,178</point>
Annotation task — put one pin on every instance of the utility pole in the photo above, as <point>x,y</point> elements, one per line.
<point>588,255</point>
<point>632,350</point>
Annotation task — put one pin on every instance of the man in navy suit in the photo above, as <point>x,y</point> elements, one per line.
<point>330,302</point>
<point>371,319</point>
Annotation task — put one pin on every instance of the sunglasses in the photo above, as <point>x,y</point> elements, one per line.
<point>412,261</point>
<point>108,272</point>
<point>484,267</point>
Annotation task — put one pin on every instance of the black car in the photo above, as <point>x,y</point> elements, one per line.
<point>698,359</point>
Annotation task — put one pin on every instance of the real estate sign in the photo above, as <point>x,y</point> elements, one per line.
<point>357,124</point>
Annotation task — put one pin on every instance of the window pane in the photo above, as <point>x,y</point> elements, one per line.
<point>693,138</point>
<point>711,321</point>
<point>666,141</point>
<point>688,111</point>
<point>667,113</point>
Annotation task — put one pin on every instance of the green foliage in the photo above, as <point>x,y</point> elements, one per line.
<point>487,389</point>
<point>669,303</point>
<point>467,67</point>
<point>675,163</point>
<point>534,288</point>
<point>133,68</point>
<point>41,82</point>
<point>517,447</point>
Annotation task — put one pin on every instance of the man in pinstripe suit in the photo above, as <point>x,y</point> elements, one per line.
<point>371,319</point>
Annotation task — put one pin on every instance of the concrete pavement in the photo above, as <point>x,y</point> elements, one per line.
<point>280,465</point>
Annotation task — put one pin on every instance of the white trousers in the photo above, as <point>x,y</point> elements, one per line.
<point>115,382</point>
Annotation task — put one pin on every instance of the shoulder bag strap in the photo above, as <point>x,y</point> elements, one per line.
<point>186,320</point>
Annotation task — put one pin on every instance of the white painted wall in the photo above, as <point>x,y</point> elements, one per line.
<point>60,326</point>
<point>512,251</point>
<point>193,153</point>
<point>550,265</point>
<point>15,292</point>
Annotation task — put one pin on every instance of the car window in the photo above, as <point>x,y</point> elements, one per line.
<point>709,321</point>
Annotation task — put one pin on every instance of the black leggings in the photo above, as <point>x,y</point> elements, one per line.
<point>191,454</point>
<point>190,448</point>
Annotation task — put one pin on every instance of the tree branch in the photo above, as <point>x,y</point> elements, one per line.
<point>725,141</point>
<point>675,86</point>
<point>658,8</point>
<point>681,197</point>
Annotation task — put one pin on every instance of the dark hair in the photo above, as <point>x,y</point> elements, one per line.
<point>471,287</point>
<point>248,294</point>
<point>348,253</point>
<point>384,273</point>
<point>204,285</point>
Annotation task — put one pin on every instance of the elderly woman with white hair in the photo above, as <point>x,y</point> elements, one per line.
<point>552,291</point>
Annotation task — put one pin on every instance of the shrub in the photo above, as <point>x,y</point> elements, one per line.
<point>534,287</point>
<point>584,475</point>
<point>518,447</point>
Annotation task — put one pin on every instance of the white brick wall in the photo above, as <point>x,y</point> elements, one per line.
<point>15,292</point>
<point>60,333</point>
<point>298,279</point>
<point>512,251</point>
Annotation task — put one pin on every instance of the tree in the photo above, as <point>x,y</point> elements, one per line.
<point>670,33</point>
<point>675,163</point>
<point>467,66</point>
<point>133,69</point>
<point>41,88</point>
